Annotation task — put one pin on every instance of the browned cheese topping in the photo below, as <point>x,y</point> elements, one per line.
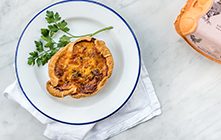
<point>84,68</point>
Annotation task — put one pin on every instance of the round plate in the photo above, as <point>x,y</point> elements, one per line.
<point>82,17</point>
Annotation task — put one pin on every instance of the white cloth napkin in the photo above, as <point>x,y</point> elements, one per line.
<point>142,106</point>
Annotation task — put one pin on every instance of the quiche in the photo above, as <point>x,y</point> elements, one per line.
<point>80,69</point>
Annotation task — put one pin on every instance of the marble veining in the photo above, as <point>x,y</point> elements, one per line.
<point>187,84</point>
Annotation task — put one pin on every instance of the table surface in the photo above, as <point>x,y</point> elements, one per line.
<point>186,83</point>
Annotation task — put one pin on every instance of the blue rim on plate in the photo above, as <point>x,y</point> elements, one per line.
<point>93,2</point>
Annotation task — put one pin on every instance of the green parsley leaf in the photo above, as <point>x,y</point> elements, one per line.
<point>53,51</point>
<point>39,46</point>
<point>51,33</point>
<point>47,39</point>
<point>49,45</point>
<point>65,39</point>
<point>61,44</point>
<point>44,59</point>
<point>63,26</point>
<point>45,32</point>
<point>51,17</point>
<point>57,17</point>
<point>49,14</point>
<point>33,54</point>
<point>31,61</point>
<point>39,62</point>
<point>54,28</point>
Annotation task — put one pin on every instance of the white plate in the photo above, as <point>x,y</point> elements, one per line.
<point>82,17</point>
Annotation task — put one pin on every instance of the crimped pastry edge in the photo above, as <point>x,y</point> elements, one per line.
<point>102,48</point>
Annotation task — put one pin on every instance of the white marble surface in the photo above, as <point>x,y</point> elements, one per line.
<point>187,84</point>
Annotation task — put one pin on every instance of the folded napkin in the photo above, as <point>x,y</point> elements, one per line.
<point>142,106</point>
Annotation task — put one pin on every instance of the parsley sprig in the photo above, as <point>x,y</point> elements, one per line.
<point>46,46</point>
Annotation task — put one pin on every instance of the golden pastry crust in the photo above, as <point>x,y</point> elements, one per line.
<point>80,69</point>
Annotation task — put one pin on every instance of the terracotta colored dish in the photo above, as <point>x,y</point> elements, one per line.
<point>80,69</point>
<point>199,25</point>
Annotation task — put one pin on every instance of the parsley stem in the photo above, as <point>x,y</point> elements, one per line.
<point>44,52</point>
<point>91,34</point>
<point>101,30</point>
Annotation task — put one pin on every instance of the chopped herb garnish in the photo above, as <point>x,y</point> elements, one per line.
<point>46,46</point>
